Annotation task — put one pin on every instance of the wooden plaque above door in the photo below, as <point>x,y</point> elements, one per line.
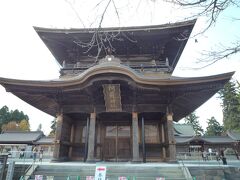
<point>112,97</point>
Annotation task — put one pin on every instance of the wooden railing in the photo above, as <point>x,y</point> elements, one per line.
<point>138,66</point>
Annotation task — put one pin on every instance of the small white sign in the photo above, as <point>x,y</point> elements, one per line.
<point>100,173</point>
<point>50,177</point>
<point>122,178</point>
<point>38,177</point>
<point>89,177</point>
<point>160,178</point>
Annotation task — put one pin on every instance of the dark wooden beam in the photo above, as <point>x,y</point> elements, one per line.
<point>143,141</point>
<point>77,109</point>
<point>88,108</point>
<point>86,141</point>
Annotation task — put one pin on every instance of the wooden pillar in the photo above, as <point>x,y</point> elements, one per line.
<point>91,138</point>
<point>59,123</point>
<point>170,136</point>
<point>71,140</point>
<point>62,138</point>
<point>163,141</point>
<point>86,141</point>
<point>143,141</point>
<point>135,138</point>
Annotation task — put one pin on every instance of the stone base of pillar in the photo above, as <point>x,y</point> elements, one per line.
<point>163,155</point>
<point>171,160</point>
<point>62,159</point>
<point>91,160</point>
<point>136,160</point>
<point>172,153</point>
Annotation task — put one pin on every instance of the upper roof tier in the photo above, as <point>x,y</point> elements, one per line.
<point>129,44</point>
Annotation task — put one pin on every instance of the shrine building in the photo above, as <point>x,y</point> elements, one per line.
<point>116,98</point>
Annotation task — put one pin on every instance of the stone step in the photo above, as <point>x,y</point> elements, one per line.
<point>175,175</point>
<point>124,167</point>
<point>110,178</point>
<point>140,172</point>
<point>115,169</point>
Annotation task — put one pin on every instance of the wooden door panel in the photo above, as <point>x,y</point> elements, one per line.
<point>124,148</point>
<point>123,142</point>
<point>117,142</point>
<point>109,148</point>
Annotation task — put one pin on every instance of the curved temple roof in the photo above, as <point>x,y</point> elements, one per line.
<point>234,135</point>
<point>20,136</point>
<point>151,94</point>
<point>128,43</point>
<point>206,139</point>
<point>141,93</point>
<point>116,68</point>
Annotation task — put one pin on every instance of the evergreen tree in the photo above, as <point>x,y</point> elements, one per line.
<point>53,127</point>
<point>4,115</point>
<point>7,116</point>
<point>17,116</point>
<point>193,120</point>
<point>230,97</point>
<point>214,128</point>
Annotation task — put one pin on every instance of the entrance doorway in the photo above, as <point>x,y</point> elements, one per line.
<point>117,142</point>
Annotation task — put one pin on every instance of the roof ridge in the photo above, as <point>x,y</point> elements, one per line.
<point>124,28</point>
<point>23,132</point>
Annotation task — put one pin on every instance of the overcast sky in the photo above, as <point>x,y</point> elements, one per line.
<point>24,56</point>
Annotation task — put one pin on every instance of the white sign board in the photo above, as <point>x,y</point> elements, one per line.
<point>100,173</point>
<point>38,177</point>
<point>50,177</point>
<point>122,178</point>
<point>160,178</point>
<point>89,177</point>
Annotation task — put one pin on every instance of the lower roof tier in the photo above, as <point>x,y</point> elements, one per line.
<point>105,86</point>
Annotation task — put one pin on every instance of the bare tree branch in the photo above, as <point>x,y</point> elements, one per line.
<point>211,57</point>
<point>103,14</point>
<point>116,11</point>
<point>207,8</point>
<point>76,13</point>
<point>211,9</point>
<point>186,3</point>
<point>100,39</point>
